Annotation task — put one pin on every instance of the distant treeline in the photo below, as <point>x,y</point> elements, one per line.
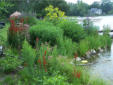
<point>38,6</point>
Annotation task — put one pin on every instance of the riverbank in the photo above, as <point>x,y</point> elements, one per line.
<point>48,54</point>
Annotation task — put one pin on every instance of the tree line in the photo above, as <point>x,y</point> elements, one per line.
<point>71,9</point>
<point>82,9</point>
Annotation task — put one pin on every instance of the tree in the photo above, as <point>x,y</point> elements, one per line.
<point>107,6</point>
<point>4,8</point>
<point>95,5</point>
<point>38,6</point>
<point>72,9</point>
<point>82,9</point>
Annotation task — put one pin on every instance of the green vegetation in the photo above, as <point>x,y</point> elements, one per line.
<point>54,15</point>
<point>46,32</point>
<point>45,51</point>
<point>9,64</point>
<point>72,30</point>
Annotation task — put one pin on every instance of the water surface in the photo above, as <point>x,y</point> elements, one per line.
<point>103,67</point>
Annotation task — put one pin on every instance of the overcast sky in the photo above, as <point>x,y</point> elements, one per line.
<point>86,1</point>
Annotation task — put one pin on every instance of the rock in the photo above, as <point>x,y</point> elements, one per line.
<point>100,49</point>
<point>93,51</point>
<point>99,54</point>
<point>15,14</point>
<point>78,59</point>
<point>88,54</point>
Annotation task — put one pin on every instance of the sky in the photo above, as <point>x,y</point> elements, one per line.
<point>86,1</point>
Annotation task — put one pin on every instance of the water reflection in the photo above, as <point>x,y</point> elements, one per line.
<point>104,66</point>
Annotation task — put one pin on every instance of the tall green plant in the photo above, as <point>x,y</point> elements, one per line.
<point>28,56</point>
<point>67,47</point>
<point>83,47</point>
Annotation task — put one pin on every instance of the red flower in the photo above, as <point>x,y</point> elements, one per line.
<point>12,23</point>
<point>45,52</point>
<point>76,55</point>
<point>44,61</point>
<point>37,39</point>
<point>78,75</point>
<point>15,29</point>
<point>25,64</point>
<point>45,69</point>
<point>21,20</point>
<point>39,61</point>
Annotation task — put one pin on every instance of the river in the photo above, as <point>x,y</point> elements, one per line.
<point>103,67</point>
<point>99,21</point>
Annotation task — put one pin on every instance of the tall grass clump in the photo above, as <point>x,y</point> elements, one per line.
<point>94,42</point>
<point>67,47</point>
<point>106,30</point>
<point>83,47</point>
<point>72,30</point>
<point>107,40</point>
<point>46,32</point>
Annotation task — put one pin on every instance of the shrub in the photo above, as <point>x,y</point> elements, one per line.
<point>9,64</point>
<point>46,32</point>
<point>56,80</point>
<point>72,30</point>
<point>67,47</point>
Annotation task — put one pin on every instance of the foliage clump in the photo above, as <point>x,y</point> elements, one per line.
<point>46,32</point>
<point>72,30</point>
<point>9,64</point>
<point>54,14</point>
